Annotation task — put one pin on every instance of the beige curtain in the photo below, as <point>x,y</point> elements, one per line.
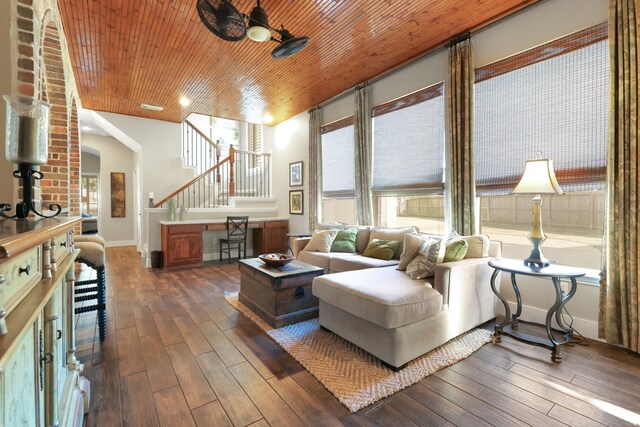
<point>619,290</point>
<point>363,154</point>
<point>461,171</point>
<point>315,167</point>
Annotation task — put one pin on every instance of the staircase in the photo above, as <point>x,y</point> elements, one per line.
<point>239,174</point>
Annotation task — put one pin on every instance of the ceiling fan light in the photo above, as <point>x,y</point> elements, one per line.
<point>258,30</point>
<point>258,33</point>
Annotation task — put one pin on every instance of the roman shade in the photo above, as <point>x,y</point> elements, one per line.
<point>547,102</point>
<point>408,144</point>
<point>338,164</point>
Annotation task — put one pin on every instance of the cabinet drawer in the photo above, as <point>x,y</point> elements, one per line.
<point>20,276</point>
<point>276,224</point>
<point>185,229</point>
<point>62,246</point>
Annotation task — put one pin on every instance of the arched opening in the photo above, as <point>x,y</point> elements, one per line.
<point>55,186</point>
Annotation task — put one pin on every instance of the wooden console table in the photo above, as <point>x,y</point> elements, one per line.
<point>509,326</point>
<point>40,377</point>
<point>182,240</point>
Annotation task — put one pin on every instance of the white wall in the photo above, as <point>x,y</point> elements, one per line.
<point>289,142</point>
<point>90,163</point>
<point>536,25</point>
<point>114,157</point>
<point>160,142</point>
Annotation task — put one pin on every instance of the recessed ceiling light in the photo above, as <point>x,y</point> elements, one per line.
<point>86,128</point>
<point>267,118</point>
<point>151,107</point>
<point>184,101</point>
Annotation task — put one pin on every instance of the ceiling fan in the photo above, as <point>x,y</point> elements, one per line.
<point>225,21</point>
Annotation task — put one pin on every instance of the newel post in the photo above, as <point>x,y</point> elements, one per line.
<point>232,179</point>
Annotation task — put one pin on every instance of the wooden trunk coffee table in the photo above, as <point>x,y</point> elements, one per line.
<point>279,295</point>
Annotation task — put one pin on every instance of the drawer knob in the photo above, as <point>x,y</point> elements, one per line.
<point>26,270</point>
<point>299,292</point>
<point>63,244</point>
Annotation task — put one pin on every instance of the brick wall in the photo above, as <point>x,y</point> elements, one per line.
<point>43,70</point>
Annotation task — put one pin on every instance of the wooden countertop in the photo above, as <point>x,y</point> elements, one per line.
<point>218,221</point>
<point>17,236</point>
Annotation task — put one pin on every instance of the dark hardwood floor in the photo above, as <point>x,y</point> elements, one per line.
<point>177,354</point>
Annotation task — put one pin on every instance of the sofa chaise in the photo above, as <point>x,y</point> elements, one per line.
<point>395,318</point>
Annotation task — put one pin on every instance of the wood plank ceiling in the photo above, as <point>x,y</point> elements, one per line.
<point>129,52</point>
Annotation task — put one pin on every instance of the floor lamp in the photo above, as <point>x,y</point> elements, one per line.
<point>538,178</point>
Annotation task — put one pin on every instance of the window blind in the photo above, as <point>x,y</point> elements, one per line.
<point>549,102</point>
<point>338,160</point>
<point>408,144</point>
<point>254,143</point>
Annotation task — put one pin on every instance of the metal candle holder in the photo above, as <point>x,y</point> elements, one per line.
<point>27,145</point>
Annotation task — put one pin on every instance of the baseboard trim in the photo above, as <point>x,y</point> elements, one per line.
<point>588,328</point>
<point>116,243</point>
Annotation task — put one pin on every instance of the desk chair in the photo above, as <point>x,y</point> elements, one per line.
<point>236,236</point>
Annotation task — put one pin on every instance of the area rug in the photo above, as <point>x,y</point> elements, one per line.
<point>356,378</point>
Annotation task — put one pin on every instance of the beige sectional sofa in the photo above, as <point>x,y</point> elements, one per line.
<point>385,312</point>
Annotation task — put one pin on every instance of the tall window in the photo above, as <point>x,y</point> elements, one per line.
<point>548,102</point>
<point>254,143</point>
<point>408,160</point>
<point>89,194</point>
<point>338,172</point>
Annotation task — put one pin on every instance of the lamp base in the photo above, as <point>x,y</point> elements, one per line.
<point>536,259</point>
<point>27,174</point>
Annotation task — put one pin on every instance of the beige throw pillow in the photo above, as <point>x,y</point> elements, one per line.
<point>424,264</point>
<point>410,248</point>
<point>321,241</point>
<point>478,246</point>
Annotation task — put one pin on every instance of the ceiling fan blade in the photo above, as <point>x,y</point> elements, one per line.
<point>290,47</point>
<point>222,19</point>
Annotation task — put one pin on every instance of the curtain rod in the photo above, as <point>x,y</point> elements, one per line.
<point>442,45</point>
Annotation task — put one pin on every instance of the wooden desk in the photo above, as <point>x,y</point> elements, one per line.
<point>182,241</point>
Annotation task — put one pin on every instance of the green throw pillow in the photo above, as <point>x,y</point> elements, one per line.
<point>456,250</point>
<point>345,241</point>
<point>381,249</point>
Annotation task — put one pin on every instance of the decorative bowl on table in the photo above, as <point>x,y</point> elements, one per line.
<point>276,260</point>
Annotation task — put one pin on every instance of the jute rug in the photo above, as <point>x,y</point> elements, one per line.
<point>356,378</point>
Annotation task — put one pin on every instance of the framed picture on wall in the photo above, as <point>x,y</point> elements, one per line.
<point>295,202</point>
<point>118,195</point>
<point>295,174</point>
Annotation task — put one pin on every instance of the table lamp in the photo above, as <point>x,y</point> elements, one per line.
<point>538,178</point>
<point>27,141</point>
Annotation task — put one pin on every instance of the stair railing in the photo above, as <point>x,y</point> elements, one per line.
<point>198,150</point>
<point>210,189</point>
<point>253,174</point>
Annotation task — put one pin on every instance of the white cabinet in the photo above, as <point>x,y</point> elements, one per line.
<point>22,396</point>
<point>39,374</point>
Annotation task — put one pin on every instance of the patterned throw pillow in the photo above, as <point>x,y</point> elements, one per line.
<point>424,264</point>
<point>381,249</point>
<point>345,241</point>
<point>410,248</point>
<point>321,241</point>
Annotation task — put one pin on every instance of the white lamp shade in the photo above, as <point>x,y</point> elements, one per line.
<point>258,33</point>
<point>538,178</point>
